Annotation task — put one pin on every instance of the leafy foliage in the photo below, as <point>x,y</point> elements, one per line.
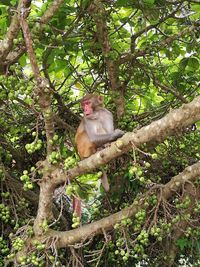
<point>152,49</point>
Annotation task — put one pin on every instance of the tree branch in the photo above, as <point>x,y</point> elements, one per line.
<point>7,43</point>
<point>83,233</point>
<point>43,87</point>
<point>51,11</point>
<point>98,13</point>
<point>158,46</point>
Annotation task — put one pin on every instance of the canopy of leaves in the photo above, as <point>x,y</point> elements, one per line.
<point>143,57</point>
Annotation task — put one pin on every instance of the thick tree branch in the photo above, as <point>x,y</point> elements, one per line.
<point>14,55</point>
<point>7,43</point>
<point>51,11</point>
<point>43,87</point>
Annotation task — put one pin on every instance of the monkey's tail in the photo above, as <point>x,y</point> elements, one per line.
<point>104,181</point>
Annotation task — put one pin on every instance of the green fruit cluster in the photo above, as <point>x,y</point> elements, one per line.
<point>139,219</point>
<point>76,220</point>
<point>4,250</point>
<point>16,87</point>
<point>29,231</point>
<point>45,225</point>
<point>32,259</point>
<point>34,146</point>
<point>183,203</point>
<point>4,213</point>
<point>39,246</point>
<point>138,172</point>
<point>127,122</point>
<point>143,237</point>
<point>18,244</point>
<point>54,157</point>
<point>152,200</point>
<point>160,230</point>
<point>120,251</point>
<point>25,178</point>
<point>197,207</point>
<point>125,222</point>
<point>22,204</point>
<point>95,209</point>
<point>54,139</point>
<point>132,170</point>
<point>69,162</point>
<point>138,251</point>
<point>140,215</point>
<point>5,194</point>
<point>155,231</point>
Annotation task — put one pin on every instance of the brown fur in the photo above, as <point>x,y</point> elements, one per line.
<point>84,146</point>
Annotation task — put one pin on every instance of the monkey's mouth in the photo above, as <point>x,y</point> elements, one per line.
<point>88,112</point>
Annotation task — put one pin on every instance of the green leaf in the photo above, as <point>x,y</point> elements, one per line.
<point>3,6</point>
<point>183,243</point>
<point>149,2</point>
<point>122,3</point>
<point>146,80</point>
<point>3,24</point>
<point>195,7</point>
<point>22,61</point>
<point>82,193</point>
<point>86,3</point>
<point>183,63</point>
<point>176,50</point>
<point>13,2</point>
<point>193,63</point>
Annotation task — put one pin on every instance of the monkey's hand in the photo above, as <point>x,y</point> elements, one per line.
<point>118,133</point>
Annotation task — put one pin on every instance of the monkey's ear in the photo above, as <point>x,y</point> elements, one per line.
<point>100,99</point>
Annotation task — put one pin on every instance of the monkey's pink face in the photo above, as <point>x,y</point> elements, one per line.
<point>87,107</point>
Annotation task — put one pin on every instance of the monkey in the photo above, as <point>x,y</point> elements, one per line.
<point>95,129</point>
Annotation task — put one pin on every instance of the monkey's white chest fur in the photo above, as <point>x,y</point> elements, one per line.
<point>104,123</point>
<point>99,128</point>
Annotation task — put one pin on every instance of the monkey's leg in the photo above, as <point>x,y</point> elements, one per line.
<point>77,206</point>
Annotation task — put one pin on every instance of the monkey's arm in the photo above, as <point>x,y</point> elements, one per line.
<point>101,139</point>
